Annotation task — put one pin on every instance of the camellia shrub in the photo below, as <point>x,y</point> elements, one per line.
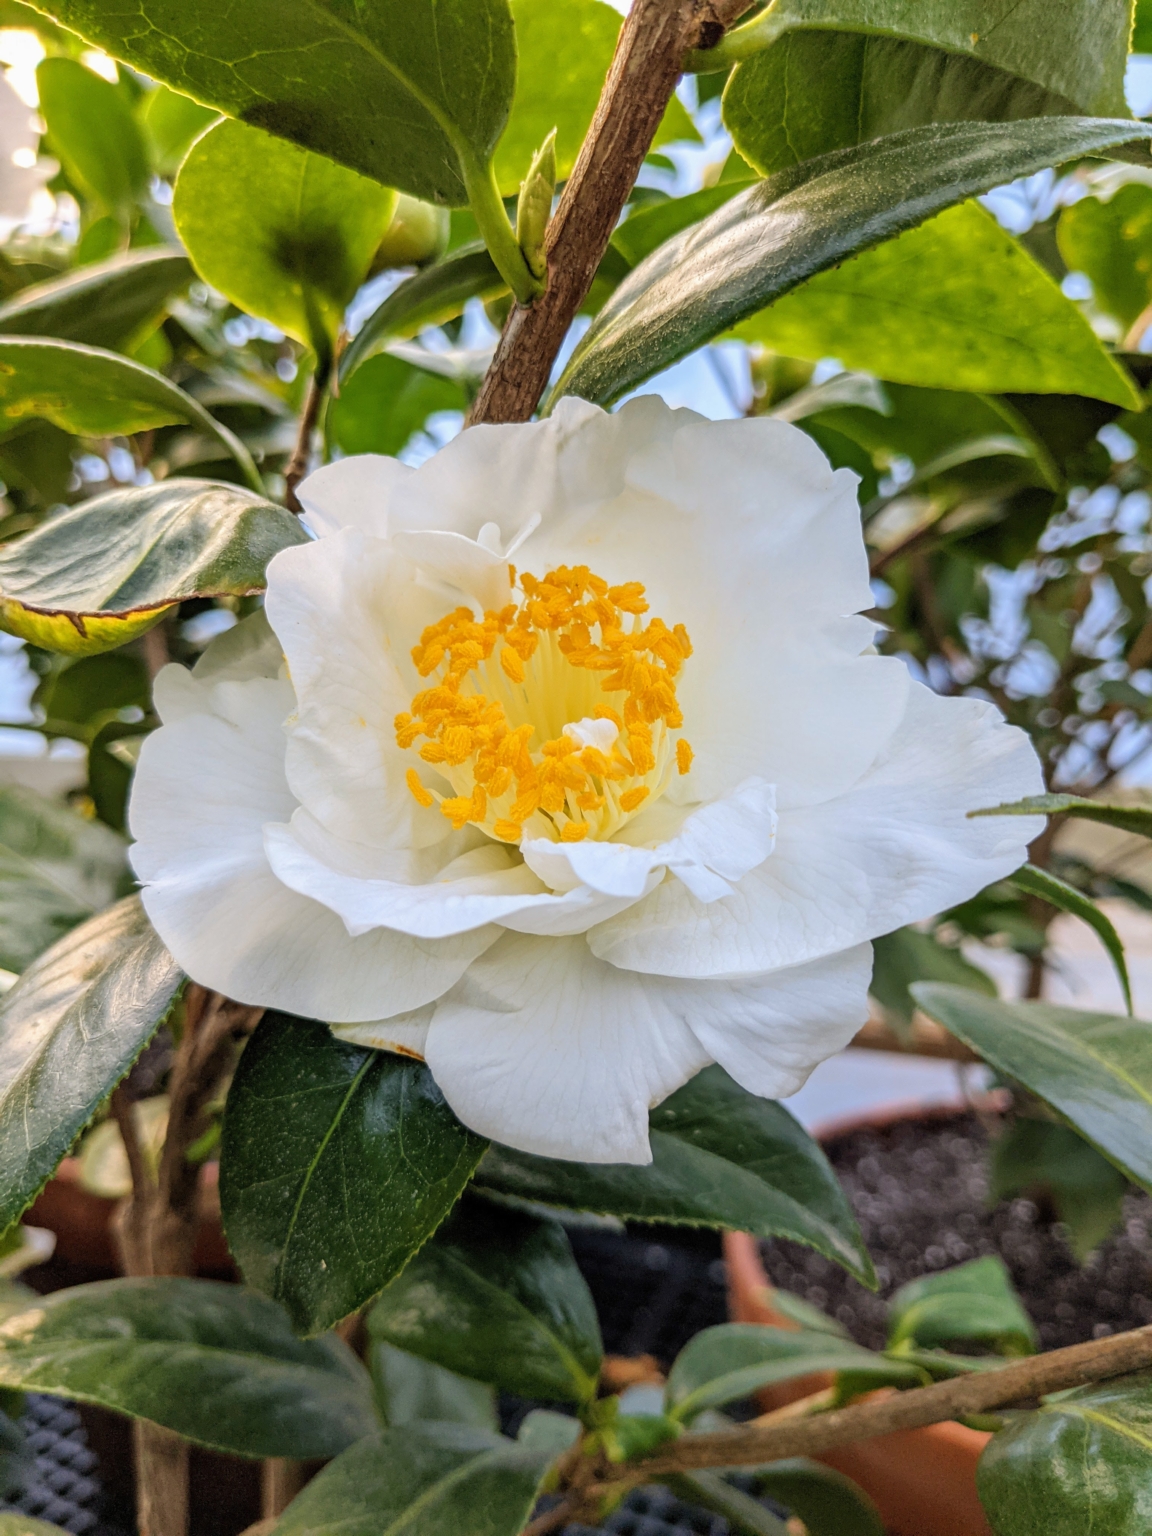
<point>471,831</point>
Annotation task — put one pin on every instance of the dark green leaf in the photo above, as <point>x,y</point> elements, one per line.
<point>77,690</point>
<point>385,401</point>
<point>1081,1464</point>
<point>56,869</point>
<point>437,294</point>
<point>1109,242</point>
<point>171,123</point>
<point>1092,1068</point>
<point>1128,818</point>
<point>69,1030</point>
<point>1042,883</point>
<point>744,1514</point>
<point>94,393</point>
<point>94,133</point>
<point>975,1301</point>
<point>337,1164</point>
<point>211,1361</point>
<point>284,233</point>
<point>1050,1160</point>
<point>734,1360</point>
<point>109,569</point>
<point>645,229</point>
<point>777,235</point>
<point>956,303</point>
<point>107,304</point>
<point>909,955</point>
<point>828,1503</point>
<point>497,1297</point>
<point>409,1389</point>
<point>721,1157</point>
<point>423,1479</point>
<point>401,91</point>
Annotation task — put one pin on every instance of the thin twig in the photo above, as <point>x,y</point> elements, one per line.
<point>646,66</point>
<point>121,1107</point>
<point>297,466</point>
<point>551,1520</point>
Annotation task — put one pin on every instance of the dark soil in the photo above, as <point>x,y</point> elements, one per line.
<point>920,1193</point>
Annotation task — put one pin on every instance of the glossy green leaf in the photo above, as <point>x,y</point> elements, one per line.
<point>171,123</point>
<point>956,303</point>
<point>1065,897</point>
<point>409,1389</point>
<point>1077,49</point>
<point>908,955</point>
<point>733,1360</point>
<point>1081,1464</point>
<point>385,401</point>
<point>211,1361</point>
<point>337,1164</point>
<point>975,1302</point>
<point>648,227</point>
<point>401,91</point>
<point>284,233</point>
<point>69,1030</point>
<point>1094,1069</point>
<point>93,131</point>
<point>429,298</point>
<point>106,304</point>
<point>564,49</point>
<point>828,1503</point>
<point>56,869</point>
<point>422,1479</point>
<point>497,1297</point>
<point>1109,242</point>
<point>1128,818</point>
<point>721,1157</point>
<point>813,92</point>
<point>780,233</point>
<point>95,576</point>
<point>1048,1158</point>
<point>94,393</point>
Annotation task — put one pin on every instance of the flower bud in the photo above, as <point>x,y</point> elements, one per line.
<point>417,234</point>
<point>534,208</point>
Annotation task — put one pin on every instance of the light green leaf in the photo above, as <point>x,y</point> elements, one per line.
<point>92,129</point>
<point>956,303</point>
<point>172,122</point>
<point>211,1361</point>
<point>1081,1464</point>
<point>402,91</point>
<point>721,1157</point>
<point>94,393</point>
<point>69,1030</point>
<point>56,869</point>
<point>733,1360</point>
<point>24,1525</point>
<point>94,577</point>
<point>1042,883</point>
<point>799,223</point>
<point>1109,242</point>
<point>385,401</point>
<point>106,304</point>
<point>909,955</point>
<point>337,1164</point>
<point>409,1389</point>
<point>422,1479</point>
<point>564,49</point>
<point>1092,1068</point>
<point>975,1301</point>
<point>284,233</point>
<point>497,1297</point>
<point>1128,818</point>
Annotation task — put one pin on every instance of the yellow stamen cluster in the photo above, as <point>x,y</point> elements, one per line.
<point>547,662</point>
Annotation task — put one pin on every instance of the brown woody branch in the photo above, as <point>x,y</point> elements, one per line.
<point>639,86</point>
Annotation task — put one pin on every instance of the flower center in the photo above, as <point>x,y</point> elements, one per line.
<point>554,716</point>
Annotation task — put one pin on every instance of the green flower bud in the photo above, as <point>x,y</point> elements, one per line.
<point>534,208</point>
<point>417,234</point>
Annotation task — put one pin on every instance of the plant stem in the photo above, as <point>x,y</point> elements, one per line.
<point>297,466</point>
<point>753,37</point>
<point>639,86</point>
<point>496,230</point>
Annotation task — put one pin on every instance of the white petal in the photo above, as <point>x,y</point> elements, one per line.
<point>543,1047</point>
<point>768,1032</point>
<point>352,493</point>
<point>488,885</point>
<point>248,649</point>
<point>896,848</point>
<point>405,1035</point>
<point>461,563</point>
<point>204,787</point>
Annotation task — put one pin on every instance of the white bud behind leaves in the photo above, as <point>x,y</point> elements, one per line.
<point>534,206</point>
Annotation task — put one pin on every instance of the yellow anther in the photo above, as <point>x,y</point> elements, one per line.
<point>631,798</point>
<point>507,831</point>
<point>684,755</point>
<point>458,810</point>
<point>420,794</point>
<point>573,831</point>
<point>512,664</point>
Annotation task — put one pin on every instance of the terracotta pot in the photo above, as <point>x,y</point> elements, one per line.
<point>82,1223</point>
<point>923,1481</point>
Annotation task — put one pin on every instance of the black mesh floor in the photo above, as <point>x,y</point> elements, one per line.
<point>62,1485</point>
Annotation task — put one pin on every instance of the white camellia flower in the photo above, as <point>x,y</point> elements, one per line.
<point>567,765</point>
